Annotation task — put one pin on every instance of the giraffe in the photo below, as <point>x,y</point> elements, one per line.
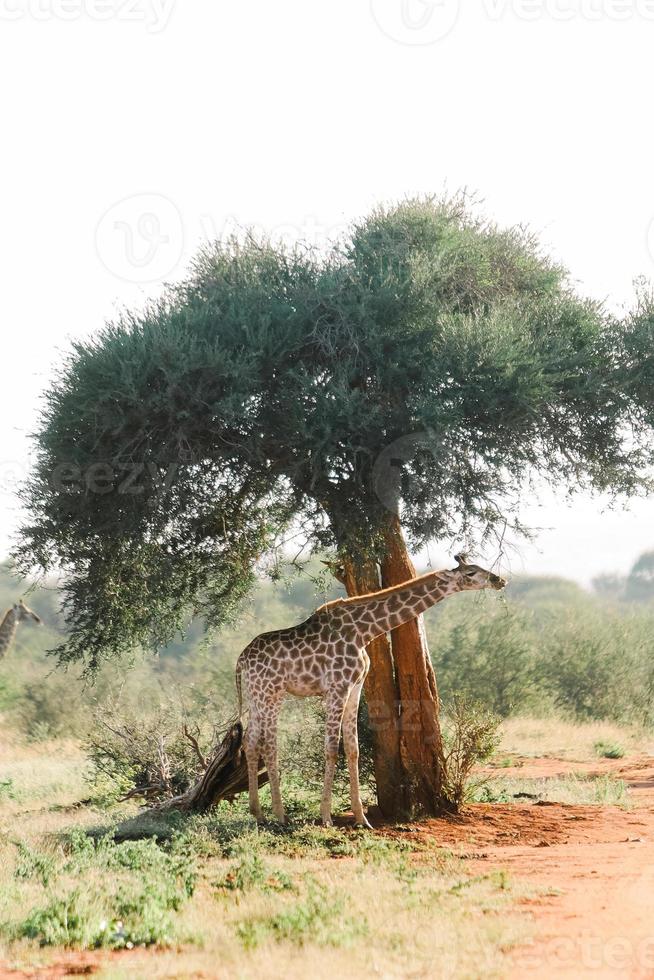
<point>325,657</point>
<point>18,613</point>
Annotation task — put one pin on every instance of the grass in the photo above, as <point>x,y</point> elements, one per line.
<point>38,775</point>
<point>269,901</point>
<point>609,750</point>
<point>573,741</point>
<point>574,788</point>
<point>270,908</point>
<point>321,917</point>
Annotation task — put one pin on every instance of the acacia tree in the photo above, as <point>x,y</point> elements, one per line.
<point>408,384</point>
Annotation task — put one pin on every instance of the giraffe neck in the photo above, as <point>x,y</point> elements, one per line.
<point>378,614</point>
<point>8,629</point>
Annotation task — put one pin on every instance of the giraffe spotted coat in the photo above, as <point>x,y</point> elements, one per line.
<point>325,657</point>
<point>18,613</point>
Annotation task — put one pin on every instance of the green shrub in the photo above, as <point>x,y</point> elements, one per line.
<point>609,750</point>
<point>59,923</point>
<point>320,918</point>
<point>470,736</point>
<point>35,864</point>
<point>250,873</point>
<point>599,665</point>
<point>50,707</point>
<point>550,649</point>
<point>139,916</point>
<point>141,884</point>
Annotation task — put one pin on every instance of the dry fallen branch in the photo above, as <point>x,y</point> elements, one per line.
<point>224,777</point>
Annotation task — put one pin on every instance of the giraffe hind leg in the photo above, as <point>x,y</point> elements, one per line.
<point>351,743</point>
<point>270,758</point>
<point>252,741</point>
<point>334,707</point>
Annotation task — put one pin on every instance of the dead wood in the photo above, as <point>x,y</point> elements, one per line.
<point>224,777</point>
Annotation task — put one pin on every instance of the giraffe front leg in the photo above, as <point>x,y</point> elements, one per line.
<point>335,704</point>
<point>351,742</point>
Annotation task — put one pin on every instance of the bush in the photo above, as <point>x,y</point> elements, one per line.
<point>51,707</point>
<point>156,753</point>
<point>599,665</point>
<point>129,894</point>
<point>568,653</point>
<point>470,736</point>
<point>59,923</point>
<point>609,750</point>
<point>488,654</point>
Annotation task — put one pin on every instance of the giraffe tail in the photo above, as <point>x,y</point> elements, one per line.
<point>239,688</point>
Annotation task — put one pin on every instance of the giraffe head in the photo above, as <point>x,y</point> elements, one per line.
<point>23,612</point>
<point>474,577</point>
<point>337,568</point>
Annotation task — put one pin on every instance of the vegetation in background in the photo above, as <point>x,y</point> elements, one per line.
<point>546,647</point>
<point>551,647</point>
<point>637,586</point>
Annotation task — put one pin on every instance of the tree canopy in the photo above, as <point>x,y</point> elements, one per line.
<point>430,362</point>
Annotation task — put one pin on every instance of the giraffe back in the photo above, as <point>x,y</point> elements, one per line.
<point>306,660</point>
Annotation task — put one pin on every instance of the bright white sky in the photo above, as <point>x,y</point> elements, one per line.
<point>133,129</point>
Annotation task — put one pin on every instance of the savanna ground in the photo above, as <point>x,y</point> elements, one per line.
<point>548,871</point>
<point>552,875</point>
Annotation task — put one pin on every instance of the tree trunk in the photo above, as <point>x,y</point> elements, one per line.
<point>382,699</point>
<point>420,733</point>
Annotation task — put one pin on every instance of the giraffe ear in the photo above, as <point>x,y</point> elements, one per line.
<point>461,559</point>
<point>337,570</point>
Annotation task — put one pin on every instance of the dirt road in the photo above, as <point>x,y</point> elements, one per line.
<point>588,871</point>
<point>598,919</point>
